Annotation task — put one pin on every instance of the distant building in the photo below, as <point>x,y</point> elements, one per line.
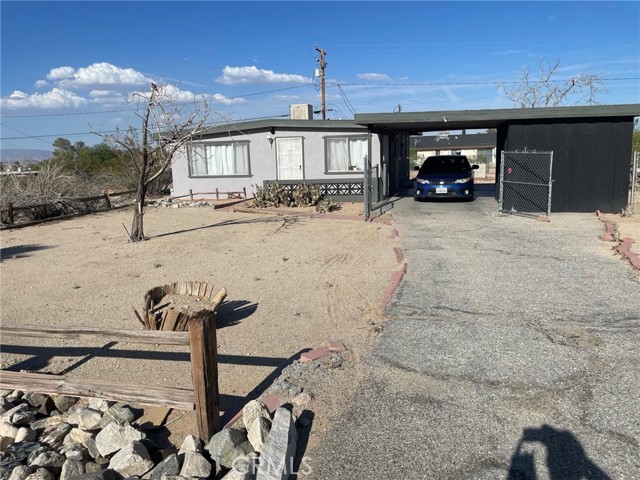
<point>478,147</point>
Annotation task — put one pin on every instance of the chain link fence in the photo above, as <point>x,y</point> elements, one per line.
<point>525,183</point>
<point>633,206</point>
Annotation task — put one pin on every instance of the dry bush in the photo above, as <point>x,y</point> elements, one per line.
<point>50,193</point>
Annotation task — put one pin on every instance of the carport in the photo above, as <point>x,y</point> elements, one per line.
<point>591,147</point>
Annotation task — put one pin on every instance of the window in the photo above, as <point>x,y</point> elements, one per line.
<point>485,155</point>
<point>345,154</point>
<point>219,159</point>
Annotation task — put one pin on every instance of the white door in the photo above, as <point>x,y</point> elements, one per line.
<point>289,155</point>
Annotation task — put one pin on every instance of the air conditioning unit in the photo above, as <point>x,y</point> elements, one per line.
<point>303,111</point>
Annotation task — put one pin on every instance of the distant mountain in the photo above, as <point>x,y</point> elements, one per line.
<point>10,155</point>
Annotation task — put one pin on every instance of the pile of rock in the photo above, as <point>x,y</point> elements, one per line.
<point>46,437</point>
<point>58,437</point>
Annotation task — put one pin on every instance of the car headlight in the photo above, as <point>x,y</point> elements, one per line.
<point>463,180</point>
<point>422,180</point>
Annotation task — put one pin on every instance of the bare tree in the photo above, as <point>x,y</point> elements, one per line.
<point>167,126</point>
<point>546,91</point>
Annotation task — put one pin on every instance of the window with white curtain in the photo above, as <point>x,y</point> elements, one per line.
<point>345,154</point>
<point>219,159</point>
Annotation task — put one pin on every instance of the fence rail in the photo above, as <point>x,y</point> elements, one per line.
<point>203,397</point>
<point>8,214</point>
<point>230,195</point>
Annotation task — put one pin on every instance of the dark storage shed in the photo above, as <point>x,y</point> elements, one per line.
<point>591,147</point>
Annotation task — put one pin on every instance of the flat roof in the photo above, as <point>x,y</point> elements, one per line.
<point>462,119</point>
<point>281,123</point>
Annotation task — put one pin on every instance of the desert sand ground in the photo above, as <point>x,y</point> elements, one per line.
<point>292,284</point>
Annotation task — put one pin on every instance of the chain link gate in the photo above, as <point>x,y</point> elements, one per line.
<point>525,183</point>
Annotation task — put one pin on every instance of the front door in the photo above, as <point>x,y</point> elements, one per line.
<point>289,158</point>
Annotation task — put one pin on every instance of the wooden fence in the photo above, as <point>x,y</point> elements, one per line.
<point>9,213</point>
<point>201,338</point>
<point>230,195</point>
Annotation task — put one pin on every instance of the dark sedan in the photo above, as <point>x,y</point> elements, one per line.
<point>445,176</point>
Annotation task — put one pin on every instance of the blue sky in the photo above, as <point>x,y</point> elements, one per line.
<point>67,68</point>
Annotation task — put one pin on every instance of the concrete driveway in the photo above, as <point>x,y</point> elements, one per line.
<point>511,352</point>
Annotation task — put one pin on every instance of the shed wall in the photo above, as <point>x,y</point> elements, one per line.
<point>590,160</point>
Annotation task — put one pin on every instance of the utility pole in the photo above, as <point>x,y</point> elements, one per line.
<point>323,65</point>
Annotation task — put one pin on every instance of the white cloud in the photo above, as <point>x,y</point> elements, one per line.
<point>234,75</point>
<point>41,84</point>
<point>102,93</point>
<point>99,74</point>
<point>375,77</point>
<point>56,98</point>
<point>61,73</point>
<point>218,97</point>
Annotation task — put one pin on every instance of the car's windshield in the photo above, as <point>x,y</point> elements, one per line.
<point>445,165</point>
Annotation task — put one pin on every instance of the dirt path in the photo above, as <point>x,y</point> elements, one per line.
<point>292,283</point>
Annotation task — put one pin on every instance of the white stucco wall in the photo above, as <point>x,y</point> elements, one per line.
<point>263,166</point>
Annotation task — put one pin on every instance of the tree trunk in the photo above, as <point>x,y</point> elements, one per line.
<point>137,227</point>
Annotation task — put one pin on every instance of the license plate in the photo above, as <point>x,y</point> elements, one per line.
<point>441,189</point>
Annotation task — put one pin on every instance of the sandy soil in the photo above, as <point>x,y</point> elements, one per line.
<point>292,283</point>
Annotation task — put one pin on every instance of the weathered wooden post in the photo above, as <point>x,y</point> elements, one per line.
<point>191,194</point>
<point>217,194</point>
<point>10,213</point>
<point>107,199</point>
<point>244,189</point>
<point>204,371</point>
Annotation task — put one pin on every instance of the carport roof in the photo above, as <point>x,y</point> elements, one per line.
<point>463,119</point>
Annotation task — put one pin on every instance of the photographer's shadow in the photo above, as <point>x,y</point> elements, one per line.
<point>565,457</point>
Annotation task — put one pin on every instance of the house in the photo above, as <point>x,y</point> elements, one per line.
<point>238,157</point>
<point>478,147</point>
<point>591,148</point>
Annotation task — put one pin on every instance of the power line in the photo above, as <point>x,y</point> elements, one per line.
<point>440,84</point>
<point>23,133</point>
<point>346,100</point>
<point>27,136</point>
<point>492,82</point>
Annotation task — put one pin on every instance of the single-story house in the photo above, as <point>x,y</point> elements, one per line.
<point>591,152</point>
<point>478,147</point>
<point>238,157</point>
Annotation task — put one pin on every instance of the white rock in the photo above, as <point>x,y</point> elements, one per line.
<point>258,433</point>
<point>195,465</point>
<point>25,434</point>
<point>8,430</point>
<point>132,460</point>
<point>276,461</point>
<point>190,444</point>
<point>114,437</point>
<point>253,410</point>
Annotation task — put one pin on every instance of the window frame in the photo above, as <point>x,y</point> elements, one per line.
<point>326,139</point>
<point>225,143</point>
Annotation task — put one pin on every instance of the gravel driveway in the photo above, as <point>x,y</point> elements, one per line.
<point>511,351</point>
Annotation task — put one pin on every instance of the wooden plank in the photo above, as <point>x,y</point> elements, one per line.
<point>139,317</point>
<point>218,298</point>
<point>171,320</point>
<point>204,371</point>
<point>207,291</point>
<point>181,323</point>
<point>128,336</point>
<point>60,385</point>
